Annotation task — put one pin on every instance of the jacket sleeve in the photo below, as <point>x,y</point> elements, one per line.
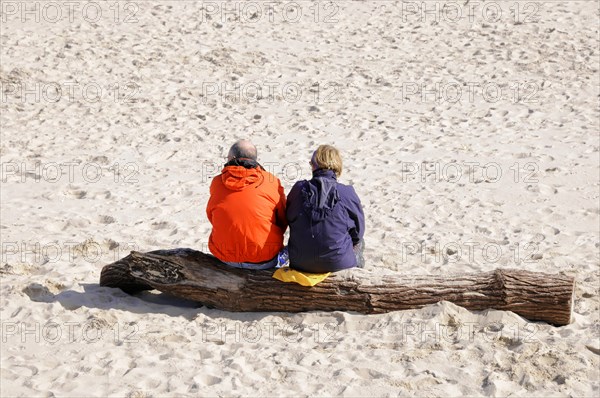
<point>294,202</point>
<point>210,205</point>
<point>280,217</point>
<point>355,212</point>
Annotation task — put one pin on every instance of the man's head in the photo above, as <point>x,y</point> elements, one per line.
<point>327,157</point>
<point>242,149</point>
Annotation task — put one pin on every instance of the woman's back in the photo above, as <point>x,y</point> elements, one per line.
<point>326,221</point>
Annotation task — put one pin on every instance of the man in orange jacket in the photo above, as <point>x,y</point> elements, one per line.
<point>247,211</point>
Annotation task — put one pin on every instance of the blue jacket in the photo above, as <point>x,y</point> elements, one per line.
<point>326,220</point>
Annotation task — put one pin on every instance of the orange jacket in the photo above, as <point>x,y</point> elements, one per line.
<point>247,211</point>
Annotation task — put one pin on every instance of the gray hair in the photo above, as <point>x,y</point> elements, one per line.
<point>243,149</point>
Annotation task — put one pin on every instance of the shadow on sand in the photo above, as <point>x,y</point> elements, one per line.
<point>146,302</point>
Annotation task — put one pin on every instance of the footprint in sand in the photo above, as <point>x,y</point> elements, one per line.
<point>106,219</point>
<point>208,380</point>
<point>76,193</point>
<point>37,292</point>
<point>176,338</point>
<point>161,225</point>
<point>547,189</point>
<point>483,230</point>
<point>138,394</point>
<point>550,230</point>
<point>99,160</point>
<point>25,370</point>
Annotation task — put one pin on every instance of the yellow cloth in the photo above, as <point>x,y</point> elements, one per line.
<point>286,274</point>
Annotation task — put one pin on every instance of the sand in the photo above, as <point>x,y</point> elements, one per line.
<point>472,142</point>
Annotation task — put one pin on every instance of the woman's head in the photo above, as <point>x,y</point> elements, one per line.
<point>327,157</point>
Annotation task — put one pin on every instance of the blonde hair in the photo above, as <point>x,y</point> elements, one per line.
<point>328,157</point>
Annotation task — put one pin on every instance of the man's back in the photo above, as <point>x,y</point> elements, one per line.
<point>247,211</point>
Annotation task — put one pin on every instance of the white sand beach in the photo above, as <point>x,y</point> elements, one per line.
<point>470,131</point>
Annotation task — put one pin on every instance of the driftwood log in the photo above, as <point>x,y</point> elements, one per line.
<point>197,276</point>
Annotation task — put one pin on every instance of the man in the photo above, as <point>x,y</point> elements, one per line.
<point>247,211</point>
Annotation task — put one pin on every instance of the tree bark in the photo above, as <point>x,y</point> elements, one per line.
<point>201,277</point>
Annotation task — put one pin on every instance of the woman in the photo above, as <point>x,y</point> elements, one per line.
<point>325,217</point>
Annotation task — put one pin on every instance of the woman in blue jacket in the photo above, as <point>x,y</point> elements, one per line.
<point>326,218</point>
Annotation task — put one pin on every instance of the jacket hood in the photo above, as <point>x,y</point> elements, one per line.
<point>320,195</point>
<point>240,176</point>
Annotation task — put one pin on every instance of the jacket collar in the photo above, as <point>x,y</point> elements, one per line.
<point>244,162</point>
<point>326,173</point>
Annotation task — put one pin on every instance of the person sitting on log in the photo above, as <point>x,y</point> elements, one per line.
<point>247,211</point>
<point>326,218</point>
